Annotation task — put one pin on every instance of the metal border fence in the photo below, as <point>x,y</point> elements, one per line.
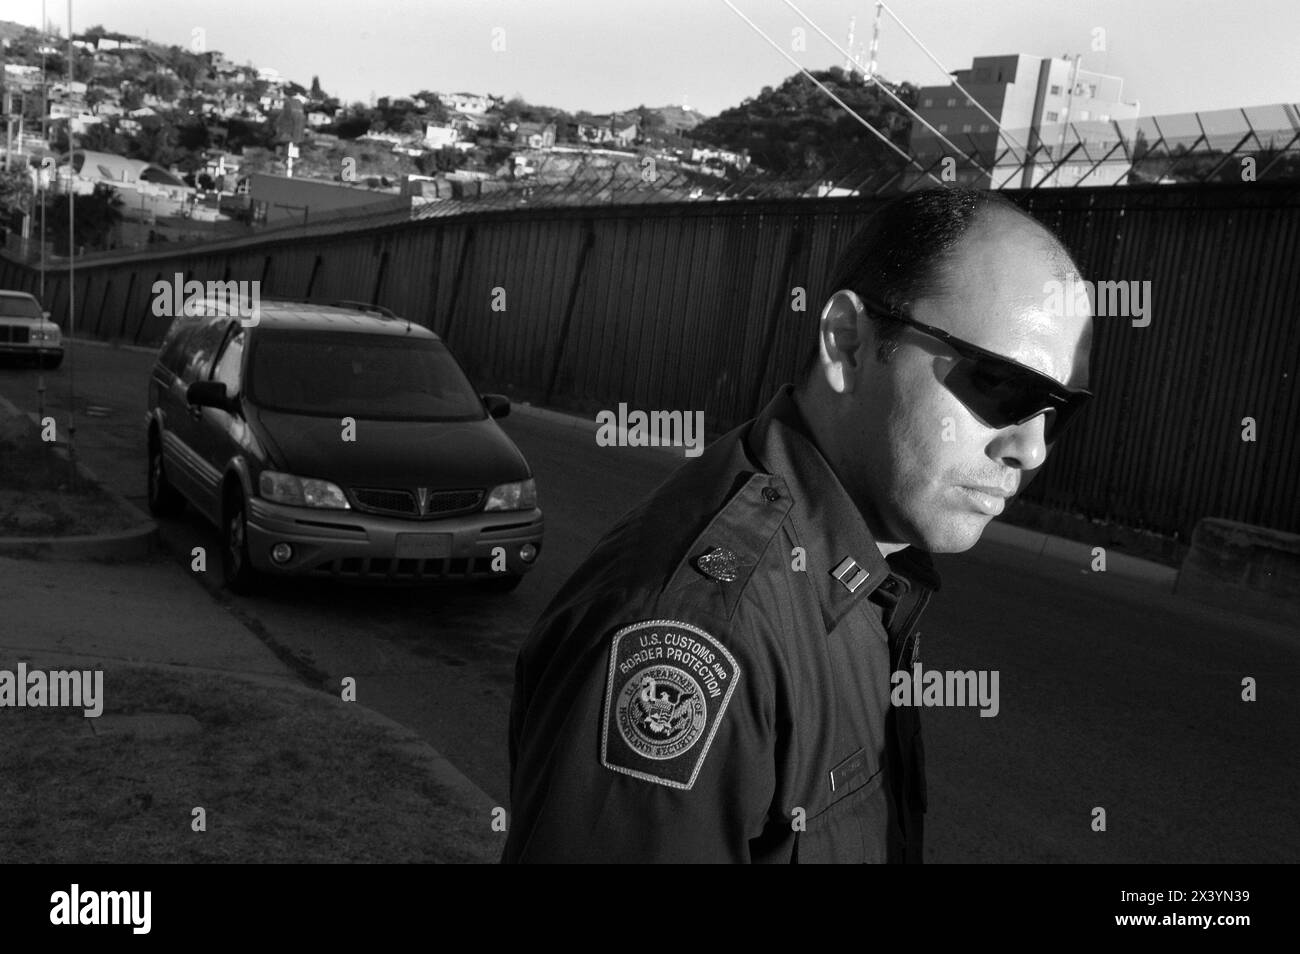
<point>690,306</point>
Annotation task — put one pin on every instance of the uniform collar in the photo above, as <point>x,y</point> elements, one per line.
<point>843,561</point>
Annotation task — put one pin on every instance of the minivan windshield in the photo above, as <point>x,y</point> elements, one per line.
<point>375,377</point>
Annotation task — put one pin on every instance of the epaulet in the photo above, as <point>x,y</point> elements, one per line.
<point>717,565</point>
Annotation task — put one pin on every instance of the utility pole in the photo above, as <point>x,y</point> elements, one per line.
<point>4,104</point>
<point>72,284</point>
<point>875,44</point>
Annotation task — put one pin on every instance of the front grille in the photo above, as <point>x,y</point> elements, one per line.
<point>386,501</point>
<point>15,334</point>
<point>444,502</point>
<point>406,503</point>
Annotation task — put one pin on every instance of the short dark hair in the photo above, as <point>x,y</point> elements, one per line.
<point>898,255</point>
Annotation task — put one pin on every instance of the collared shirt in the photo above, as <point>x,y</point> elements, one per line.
<point>713,683</point>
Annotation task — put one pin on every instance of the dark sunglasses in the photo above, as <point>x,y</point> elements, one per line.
<point>999,391</point>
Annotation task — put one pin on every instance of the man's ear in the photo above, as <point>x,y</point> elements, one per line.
<point>842,333</point>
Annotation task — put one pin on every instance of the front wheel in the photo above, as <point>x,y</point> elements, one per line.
<point>236,570</point>
<point>164,499</point>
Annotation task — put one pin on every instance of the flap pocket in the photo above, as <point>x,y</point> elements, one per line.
<point>851,774</point>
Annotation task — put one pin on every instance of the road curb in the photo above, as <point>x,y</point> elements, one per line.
<point>114,345</point>
<point>1034,541</point>
<point>135,543</point>
<point>1081,554</point>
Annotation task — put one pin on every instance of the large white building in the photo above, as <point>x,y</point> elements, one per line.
<point>1048,107</point>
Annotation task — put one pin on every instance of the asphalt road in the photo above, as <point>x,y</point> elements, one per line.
<point>1113,694</point>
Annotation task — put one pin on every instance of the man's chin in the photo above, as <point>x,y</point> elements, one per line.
<point>957,535</point>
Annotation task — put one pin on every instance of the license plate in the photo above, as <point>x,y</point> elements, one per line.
<point>423,546</point>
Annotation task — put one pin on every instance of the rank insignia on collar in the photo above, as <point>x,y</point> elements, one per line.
<point>850,574</point>
<point>718,564</point>
<point>669,684</point>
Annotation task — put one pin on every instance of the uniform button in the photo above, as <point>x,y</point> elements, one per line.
<point>771,494</point>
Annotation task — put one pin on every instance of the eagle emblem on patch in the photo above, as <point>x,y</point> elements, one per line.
<point>669,684</point>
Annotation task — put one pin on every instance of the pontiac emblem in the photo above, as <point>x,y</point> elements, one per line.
<point>422,494</point>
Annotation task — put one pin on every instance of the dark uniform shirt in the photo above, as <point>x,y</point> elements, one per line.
<point>713,683</point>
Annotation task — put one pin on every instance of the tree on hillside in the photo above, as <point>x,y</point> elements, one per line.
<point>797,130</point>
<point>15,198</point>
<point>352,121</point>
<point>156,142</point>
<point>95,217</point>
<point>161,85</point>
<point>648,120</point>
<point>101,138</point>
<point>242,134</point>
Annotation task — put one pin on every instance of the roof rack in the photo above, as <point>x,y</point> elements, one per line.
<point>363,306</point>
<point>386,313</point>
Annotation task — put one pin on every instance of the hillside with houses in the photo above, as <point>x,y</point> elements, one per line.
<point>192,144</point>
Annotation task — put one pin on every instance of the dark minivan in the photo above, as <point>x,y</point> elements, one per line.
<point>338,441</point>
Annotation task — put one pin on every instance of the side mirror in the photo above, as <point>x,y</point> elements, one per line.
<point>498,405</point>
<point>210,394</point>
<point>46,314</point>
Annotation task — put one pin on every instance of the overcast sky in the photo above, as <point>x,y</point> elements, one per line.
<point>1173,55</point>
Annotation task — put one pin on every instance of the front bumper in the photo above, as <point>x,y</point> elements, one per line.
<point>347,544</point>
<point>12,348</point>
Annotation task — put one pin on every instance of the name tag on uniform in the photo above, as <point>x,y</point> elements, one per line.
<point>851,770</point>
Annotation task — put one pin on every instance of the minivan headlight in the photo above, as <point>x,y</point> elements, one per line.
<point>521,495</point>
<point>301,491</point>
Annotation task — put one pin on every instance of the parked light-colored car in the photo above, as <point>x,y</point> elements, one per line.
<point>26,329</point>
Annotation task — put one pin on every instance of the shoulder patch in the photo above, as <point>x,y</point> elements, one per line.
<point>669,684</point>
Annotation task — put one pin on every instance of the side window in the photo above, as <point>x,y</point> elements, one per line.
<point>201,347</point>
<point>227,369</point>
<point>172,357</point>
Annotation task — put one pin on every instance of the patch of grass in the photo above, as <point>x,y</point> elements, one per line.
<point>283,775</point>
<point>40,496</point>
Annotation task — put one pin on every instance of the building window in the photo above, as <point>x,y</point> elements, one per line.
<point>1050,117</point>
<point>984,127</point>
<point>951,103</point>
<point>1103,117</point>
<point>965,127</point>
<point>928,103</point>
<point>943,127</point>
<point>1055,90</point>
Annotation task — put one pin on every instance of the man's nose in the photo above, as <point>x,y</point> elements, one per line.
<point>1022,446</point>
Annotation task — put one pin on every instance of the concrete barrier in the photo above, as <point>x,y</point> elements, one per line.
<point>1249,569</point>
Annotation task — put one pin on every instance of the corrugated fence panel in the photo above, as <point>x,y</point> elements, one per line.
<point>689,307</point>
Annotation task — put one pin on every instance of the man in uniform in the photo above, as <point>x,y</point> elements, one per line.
<point>713,683</point>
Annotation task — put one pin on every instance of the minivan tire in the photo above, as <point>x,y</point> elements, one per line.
<point>164,499</point>
<point>236,570</point>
